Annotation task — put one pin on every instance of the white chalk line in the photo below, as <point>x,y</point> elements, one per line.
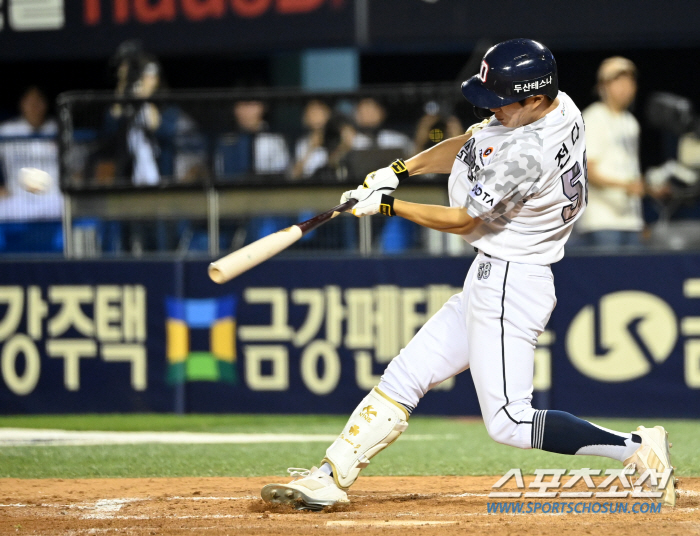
<point>24,437</point>
<point>110,509</point>
<point>111,503</point>
<point>143,517</point>
<point>200,498</point>
<point>390,523</point>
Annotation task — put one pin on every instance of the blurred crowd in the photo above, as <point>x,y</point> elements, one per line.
<point>234,142</point>
<point>132,141</point>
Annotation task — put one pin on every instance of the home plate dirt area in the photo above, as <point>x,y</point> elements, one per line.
<point>387,505</point>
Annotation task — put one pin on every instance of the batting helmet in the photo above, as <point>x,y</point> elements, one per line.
<point>512,71</point>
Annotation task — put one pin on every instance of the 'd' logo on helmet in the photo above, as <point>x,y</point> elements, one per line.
<point>483,71</point>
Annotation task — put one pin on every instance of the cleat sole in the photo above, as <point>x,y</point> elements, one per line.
<point>281,494</point>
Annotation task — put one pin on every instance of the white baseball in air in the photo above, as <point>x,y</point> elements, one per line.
<point>34,180</point>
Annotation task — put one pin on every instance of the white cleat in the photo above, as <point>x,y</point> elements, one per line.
<point>313,491</point>
<point>654,453</point>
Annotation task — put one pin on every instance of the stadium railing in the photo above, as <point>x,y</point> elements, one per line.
<point>189,172</point>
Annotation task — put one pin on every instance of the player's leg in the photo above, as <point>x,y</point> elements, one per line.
<point>506,313</point>
<point>437,352</point>
<point>440,350</point>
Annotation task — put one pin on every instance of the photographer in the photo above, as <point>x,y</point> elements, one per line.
<point>136,148</point>
<point>328,140</point>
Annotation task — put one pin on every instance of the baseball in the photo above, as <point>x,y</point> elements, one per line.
<point>34,180</point>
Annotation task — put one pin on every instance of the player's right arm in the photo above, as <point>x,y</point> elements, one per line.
<point>437,159</point>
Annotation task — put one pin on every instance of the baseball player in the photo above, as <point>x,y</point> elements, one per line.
<point>517,185</point>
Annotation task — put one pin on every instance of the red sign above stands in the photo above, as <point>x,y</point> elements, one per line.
<point>146,12</point>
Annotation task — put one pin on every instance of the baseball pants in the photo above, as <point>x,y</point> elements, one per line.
<point>491,327</point>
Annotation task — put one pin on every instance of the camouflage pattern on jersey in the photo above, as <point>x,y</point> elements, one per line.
<point>512,175</point>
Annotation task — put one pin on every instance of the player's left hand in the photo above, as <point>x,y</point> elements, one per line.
<point>369,202</point>
<point>387,179</point>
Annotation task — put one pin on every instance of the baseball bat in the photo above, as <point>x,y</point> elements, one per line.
<point>242,260</point>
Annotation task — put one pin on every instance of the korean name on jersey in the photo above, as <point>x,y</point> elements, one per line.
<point>528,185</point>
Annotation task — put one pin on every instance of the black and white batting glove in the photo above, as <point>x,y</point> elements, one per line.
<point>387,179</point>
<point>369,202</point>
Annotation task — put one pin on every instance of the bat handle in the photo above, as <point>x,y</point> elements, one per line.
<point>343,207</point>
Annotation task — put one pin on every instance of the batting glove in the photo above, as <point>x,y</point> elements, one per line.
<point>369,202</point>
<point>387,179</point>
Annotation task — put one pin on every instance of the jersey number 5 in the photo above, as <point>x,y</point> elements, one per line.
<point>575,189</point>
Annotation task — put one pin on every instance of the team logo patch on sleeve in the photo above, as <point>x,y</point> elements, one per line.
<point>484,196</point>
<point>484,155</point>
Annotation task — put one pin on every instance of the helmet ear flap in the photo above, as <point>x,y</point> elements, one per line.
<point>482,113</point>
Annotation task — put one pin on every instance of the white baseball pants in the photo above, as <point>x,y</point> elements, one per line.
<point>492,328</point>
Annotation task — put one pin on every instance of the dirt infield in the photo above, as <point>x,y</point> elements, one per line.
<point>387,505</point>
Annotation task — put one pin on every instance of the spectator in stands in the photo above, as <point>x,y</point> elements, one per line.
<point>29,141</point>
<point>33,119</point>
<point>150,142</point>
<point>435,126</point>
<point>320,153</point>
<point>614,214</point>
<point>310,152</point>
<point>251,147</point>
<point>138,76</point>
<point>369,120</point>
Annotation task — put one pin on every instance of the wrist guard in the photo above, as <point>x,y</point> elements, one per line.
<point>399,168</point>
<point>386,205</point>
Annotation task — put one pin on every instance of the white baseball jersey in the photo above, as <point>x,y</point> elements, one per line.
<point>528,185</point>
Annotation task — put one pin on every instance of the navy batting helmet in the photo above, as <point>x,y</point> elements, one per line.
<point>510,72</point>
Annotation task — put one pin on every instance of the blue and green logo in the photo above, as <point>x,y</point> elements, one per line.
<point>215,364</point>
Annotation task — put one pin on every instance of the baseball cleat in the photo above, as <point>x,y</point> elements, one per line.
<point>313,491</point>
<point>654,453</point>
